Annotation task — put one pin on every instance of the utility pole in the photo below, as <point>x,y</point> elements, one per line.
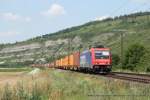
<point>54,60</point>
<point>68,50</point>
<point>121,31</point>
<point>122,58</point>
<point>56,54</point>
<point>80,46</point>
<point>148,18</point>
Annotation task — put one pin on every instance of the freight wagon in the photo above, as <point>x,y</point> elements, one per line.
<point>69,62</point>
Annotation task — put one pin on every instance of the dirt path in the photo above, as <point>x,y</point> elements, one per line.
<point>10,77</point>
<point>13,77</point>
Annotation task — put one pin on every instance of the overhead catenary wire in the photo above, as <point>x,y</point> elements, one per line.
<point>112,14</point>
<point>141,6</point>
<point>119,8</point>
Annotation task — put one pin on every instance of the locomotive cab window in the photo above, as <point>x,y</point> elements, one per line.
<point>102,54</point>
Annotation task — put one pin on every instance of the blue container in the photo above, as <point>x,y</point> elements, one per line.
<point>85,59</point>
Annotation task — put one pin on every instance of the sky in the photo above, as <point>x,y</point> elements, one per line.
<point>24,19</point>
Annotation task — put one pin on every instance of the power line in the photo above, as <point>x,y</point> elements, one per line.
<point>119,8</point>
<point>122,32</point>
<point>126,3</point>
<point>141,6</point>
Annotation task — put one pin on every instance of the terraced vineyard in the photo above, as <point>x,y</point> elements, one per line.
<point>42,49</point>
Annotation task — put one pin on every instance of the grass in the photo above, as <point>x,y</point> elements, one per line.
<point>66,85</point>
<point>14,69</point>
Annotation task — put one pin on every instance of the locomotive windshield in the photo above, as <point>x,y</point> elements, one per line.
<point>102,54</point>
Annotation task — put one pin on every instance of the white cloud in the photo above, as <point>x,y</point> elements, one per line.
<point>9,33</point>
<point>141,1</point>
<point>27,19</point>
<point>9,16</point>
<point>54,10</point>
<point>100,18</point>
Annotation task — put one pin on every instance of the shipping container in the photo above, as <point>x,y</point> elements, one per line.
<point>66,61</point>
<point>71,61</point>
<point>60,62</point>
<point>63,63</point>
<point>76,59</point>
<point>57,64</point>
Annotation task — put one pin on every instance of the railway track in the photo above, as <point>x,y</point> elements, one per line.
<point>132,77</point>
<point>141,78</point>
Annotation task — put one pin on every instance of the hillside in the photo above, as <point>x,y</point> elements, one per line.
<point>44,48</point>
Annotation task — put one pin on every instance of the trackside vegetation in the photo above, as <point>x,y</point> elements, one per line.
<point>65,85</point>
<point>135,58</point>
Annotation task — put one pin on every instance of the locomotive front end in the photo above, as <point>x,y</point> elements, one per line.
<point>101,59</point>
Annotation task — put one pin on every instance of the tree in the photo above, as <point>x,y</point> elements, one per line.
<point>144,64</point>
<point>133,55</point>
<point>115,59</point>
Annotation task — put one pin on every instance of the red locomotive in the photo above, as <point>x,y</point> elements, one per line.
<point>96,60</point>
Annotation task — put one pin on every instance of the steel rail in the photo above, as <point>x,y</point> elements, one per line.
<point>141,78</point>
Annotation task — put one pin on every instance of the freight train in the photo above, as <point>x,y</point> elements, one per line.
<point>96,59</point>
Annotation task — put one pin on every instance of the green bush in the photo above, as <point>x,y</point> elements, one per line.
<point>115,59</point>
<point>133,56</point>
<point>144,64</point>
